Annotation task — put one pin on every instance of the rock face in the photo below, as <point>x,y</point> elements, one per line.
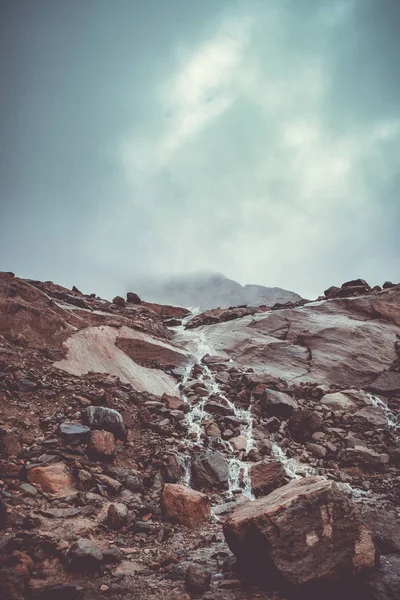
<point>184,505</point>
<point>307,530</point>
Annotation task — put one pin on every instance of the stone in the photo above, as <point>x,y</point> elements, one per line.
<point>61,513</point>
<point>108,419</point>
<point>117,515</point>
<point>85,556</point>
<point>9,444</point>
<point>363,457</point>
<point>119,301</point>
<point>102,444</point>
<point>316,450</point>
<point>197,580</point>
<point>59,591</point>
<point>3,515</point>
<point>212,430</point>
<point>307,531</point>
<point>172,470</point>
<point>266,477</point>
<point>239,443</point>
<point>385,528</point>
<point>303,423</point>
<point>387,384</point>
<point>337,401</point>
<point>355,283</point>
<point>28,489</point>
<point>185,506</point>
<point>132,298</point>
<point>53,479</point>
<point>372,417</point>
<point>173,402</point>
<point>210,470</point>
<point>277,404</point>
<point>73,432</point>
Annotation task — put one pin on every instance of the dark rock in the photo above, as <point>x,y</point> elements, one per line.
<point>332,291</point>
<point>385,527</point>
<point>355,283</point>
<point>108,419</point>
<point>132,298</point>
<point>277,404</point>
<point>60,591</point>
<point>72,432</point>
<point>119,301</point>
<point>210,470</point>
<point>303,423</point>
<point>388,284</point>
<point>387,384</point>
<point>117,515</point>
<point>85,556</point>
<point>12,586</point>
<point>172,469</point>
<point>197,580</point>
<point>371,416</point>
<point>3,515</point>
<point>363,457</point>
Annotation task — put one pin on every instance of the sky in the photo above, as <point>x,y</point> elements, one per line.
<point>147,138</point>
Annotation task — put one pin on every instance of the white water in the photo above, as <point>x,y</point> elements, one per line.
<point>392,419</point>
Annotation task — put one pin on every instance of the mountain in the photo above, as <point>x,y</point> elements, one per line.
<point>146,452</point>
<point>211,290</point>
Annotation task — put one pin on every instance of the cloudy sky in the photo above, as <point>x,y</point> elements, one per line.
<point>257,138</point>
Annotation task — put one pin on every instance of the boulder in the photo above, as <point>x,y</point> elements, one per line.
<point>9,444</point>
<point>266,477</point>
<point>197,580</point>
<point>85,556</point>
<point>303,423</point>
<point>53,479</point>
<point>185,506</point>
<point>372,417</point>
<point>361,456</point>
<point>119,301</point>
<point>172,469</point>
<point>3,515</point>
<point>102,444</point>
<point>133,298</point>
<point>210,470</point>
<point>338,401</point>
<point>277,404</point>
<point>387,384</point>
<point>101,417</point>
<point>306,531</point>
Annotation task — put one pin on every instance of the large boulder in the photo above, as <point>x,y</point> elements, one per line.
<point>185,506</point>
<point>108,419</point>
<point>210,470</point>
<point>303,423</point>
<point>307,531</point>
<point>266,477</point>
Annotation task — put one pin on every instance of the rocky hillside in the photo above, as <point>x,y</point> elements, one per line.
<point>240,453</point>
<point>205,291</point>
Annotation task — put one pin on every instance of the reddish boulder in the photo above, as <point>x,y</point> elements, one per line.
<point>133,298</point>
<point>184,506</point>
<point>102,444</point>
<point>307,530</point>
<point>266,477</point>
<point>54,479</point>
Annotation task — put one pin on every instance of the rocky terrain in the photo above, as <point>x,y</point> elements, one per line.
<point>211,290</point>
<point>238,453</point>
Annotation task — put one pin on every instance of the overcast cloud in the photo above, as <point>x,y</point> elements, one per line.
<point>259,139</point>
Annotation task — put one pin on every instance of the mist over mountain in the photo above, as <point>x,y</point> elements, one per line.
<point>210,290</point>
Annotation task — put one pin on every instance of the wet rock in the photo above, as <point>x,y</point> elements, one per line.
<point>385,527</point>
<point>172,469</point>
<point>132,298</point>
<point>363,457</point>
<point>117,515</point>
<point>210,470</point>
<point>197,580</point>
<point>277,404</point>
<point>54,479</point>
<point>371,416</point>
<point>173,402</point>
<point>307,530</point>
<point>303,423</point>
<point>387,384</point>
<point>3,515</point>
<point>72,432</point>
<point>102,444</point>
<point>184,506</point>
<point>85,556</point>
<point>266,477</point>
<point>108,419</point>
<point>239,443</point>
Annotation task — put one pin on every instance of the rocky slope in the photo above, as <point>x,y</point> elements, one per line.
<point>206,291</point>
<point>235,454</point>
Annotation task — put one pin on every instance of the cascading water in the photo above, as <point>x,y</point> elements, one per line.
<point>392,419</point>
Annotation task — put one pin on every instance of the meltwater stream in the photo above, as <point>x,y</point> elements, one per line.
<point>239,471</point>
